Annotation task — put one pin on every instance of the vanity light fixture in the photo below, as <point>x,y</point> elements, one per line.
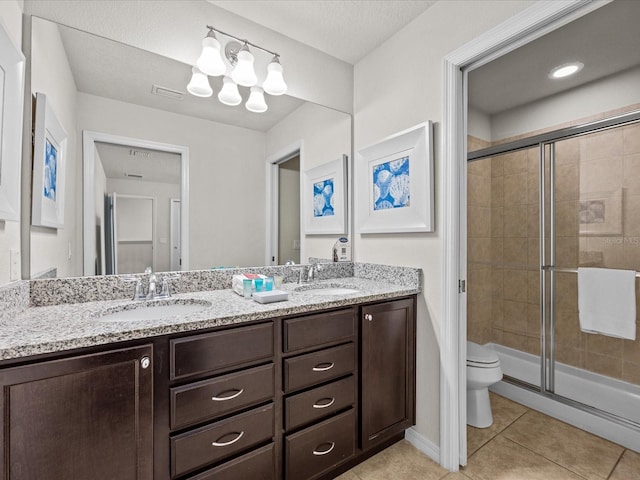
<point>565,70</point>
<point>241,60</point>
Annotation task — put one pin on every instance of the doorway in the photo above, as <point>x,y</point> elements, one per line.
<point>532,23</point>
<point>90,142</point>
<point>285,241</point>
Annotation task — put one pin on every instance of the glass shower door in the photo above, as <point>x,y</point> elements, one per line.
<point>594,215</point>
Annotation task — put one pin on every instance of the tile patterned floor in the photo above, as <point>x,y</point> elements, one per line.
<point>522,444</point>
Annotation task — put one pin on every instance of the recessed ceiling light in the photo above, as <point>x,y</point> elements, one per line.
<point>565,70</point>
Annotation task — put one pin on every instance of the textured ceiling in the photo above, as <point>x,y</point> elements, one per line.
<point>345,29</point>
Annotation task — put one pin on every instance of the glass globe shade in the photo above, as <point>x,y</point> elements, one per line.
<point>256,101</point>
<point>210,60</point>
<point>244,74</point>
<point>274,83</point>
<point>229,94</point>
<point>199,84</point>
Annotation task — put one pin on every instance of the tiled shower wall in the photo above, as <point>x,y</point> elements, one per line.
<point>503,246</point>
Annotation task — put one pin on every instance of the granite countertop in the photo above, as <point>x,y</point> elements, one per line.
<point>47,329</point>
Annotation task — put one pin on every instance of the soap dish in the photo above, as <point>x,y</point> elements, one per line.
<point>271,296</point>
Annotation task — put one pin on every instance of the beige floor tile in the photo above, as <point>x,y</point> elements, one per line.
<point>505,460</point>
<point>455,476</point>
<point>348,476</point>
<point>401,461</point>
<point>628,467</point>
<point>585,454</point>
<point>505,412</point>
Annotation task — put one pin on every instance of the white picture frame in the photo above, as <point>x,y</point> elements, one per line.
<point>600,213</point>
<point>394,180</point>
<point>49,166</point>
<point>324,194</point>
<point>12,65</point>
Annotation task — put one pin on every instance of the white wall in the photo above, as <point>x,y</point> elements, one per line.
<point>162,193</point>
<point>406,92</point>
<point>326,136</point>
<point>11,20</point>
<point>51,75</point>
<point>226,176</point>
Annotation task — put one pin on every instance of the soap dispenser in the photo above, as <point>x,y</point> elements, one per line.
<point>342,250</point>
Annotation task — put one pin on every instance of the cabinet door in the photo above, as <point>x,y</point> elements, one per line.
<point>78,418</point>
<point>387,370</point>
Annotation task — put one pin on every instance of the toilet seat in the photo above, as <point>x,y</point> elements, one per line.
<point>481,357</point>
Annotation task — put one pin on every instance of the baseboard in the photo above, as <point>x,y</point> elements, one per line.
<point>423,444</point>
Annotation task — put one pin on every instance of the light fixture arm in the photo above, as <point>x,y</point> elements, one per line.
<point>243,41</point>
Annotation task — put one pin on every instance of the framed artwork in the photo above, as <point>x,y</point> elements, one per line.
<point>12,66</point>
<point>600,213</point>
<point>394,180</point>
<point>324,193</point>
<point>49,162</point>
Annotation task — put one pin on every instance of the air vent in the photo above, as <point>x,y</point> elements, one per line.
<point>139,153</point>
<point>132,175</point>
<point>167,92</point>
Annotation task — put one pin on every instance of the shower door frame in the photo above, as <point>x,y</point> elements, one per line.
<point>544,142</point>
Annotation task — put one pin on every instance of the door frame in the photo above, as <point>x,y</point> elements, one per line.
<point>531,23</point>
<point>89,140</point>
<point>272,189</point>
<point>172,226</point>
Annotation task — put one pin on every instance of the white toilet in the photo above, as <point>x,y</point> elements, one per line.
<point>483,370</point>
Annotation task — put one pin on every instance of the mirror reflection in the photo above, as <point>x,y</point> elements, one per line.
<point>217,204</point>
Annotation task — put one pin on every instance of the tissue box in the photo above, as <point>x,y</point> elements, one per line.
<point>237,281</point>
<point>271,296</point>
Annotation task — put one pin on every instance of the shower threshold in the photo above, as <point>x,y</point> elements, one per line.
<point>596,403</point>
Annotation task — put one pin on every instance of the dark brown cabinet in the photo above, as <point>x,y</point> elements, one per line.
<point>303,397</point>
<point>387,372</point>
<point>221,388</point>
<point>88,416</point>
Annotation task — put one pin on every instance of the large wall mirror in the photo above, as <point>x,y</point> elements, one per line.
<point>170,180</point>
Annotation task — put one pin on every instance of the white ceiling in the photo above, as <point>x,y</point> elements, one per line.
<point>153,166</point>
<point>345,29</point>
<point>606,40</point>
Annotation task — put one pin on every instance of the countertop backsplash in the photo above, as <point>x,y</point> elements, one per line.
<point>17,296</point>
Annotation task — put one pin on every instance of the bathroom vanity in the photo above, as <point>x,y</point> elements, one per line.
<point>303,389</point>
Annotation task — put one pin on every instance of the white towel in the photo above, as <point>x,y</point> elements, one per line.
<point>607,302</point>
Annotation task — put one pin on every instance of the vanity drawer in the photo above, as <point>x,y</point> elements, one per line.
<point>311,368</point>
<point>306,407</point>
<point>211,398</point>
<point>314,330</point>
<point>316,449</point>
<point>220,350</point>
<point>256,465</point>
<point>220,440</point>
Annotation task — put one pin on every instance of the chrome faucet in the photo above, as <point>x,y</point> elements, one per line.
<point>153,279</point>
<point>153,291</point>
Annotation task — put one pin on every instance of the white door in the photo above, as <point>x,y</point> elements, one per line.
<point>175,235</point>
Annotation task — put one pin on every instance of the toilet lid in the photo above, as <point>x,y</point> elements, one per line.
<point>481,356</point>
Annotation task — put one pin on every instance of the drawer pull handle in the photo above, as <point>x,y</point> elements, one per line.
<point>325,452</point>
<point>229,397</point>
<point>230,442</point>
<point>323,367</point>
<point>324,405</point>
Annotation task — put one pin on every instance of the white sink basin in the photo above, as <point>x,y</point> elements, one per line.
<point>331,291</point>
<point>153,311</point>
<point>326,289</point>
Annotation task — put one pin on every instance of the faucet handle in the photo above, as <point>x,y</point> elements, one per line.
<point>139,293</point>
<point>165,290</point>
